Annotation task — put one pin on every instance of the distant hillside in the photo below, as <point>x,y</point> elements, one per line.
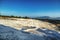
<point>12,16</point>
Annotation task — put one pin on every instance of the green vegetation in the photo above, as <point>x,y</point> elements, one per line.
<point>12,16</point>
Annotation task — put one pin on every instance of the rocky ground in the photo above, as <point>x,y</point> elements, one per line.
<point>27,29</point>
<point>19,23</point>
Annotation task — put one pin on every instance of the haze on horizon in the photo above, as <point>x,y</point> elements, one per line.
<point>30,7</point>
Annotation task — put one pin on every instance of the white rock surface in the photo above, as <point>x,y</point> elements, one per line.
<point>8,33</point>
<point>27,29</point>
<point>19,23</point>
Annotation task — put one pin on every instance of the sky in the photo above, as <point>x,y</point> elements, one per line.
<point>30,7</point>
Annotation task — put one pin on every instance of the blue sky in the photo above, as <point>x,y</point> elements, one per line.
<point>30,7</point>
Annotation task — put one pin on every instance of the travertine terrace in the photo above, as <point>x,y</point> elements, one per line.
<point>19,23</point>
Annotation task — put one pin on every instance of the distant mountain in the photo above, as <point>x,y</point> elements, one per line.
<point>44,17</point>
<point>57,18</point>
<point>47,17</point>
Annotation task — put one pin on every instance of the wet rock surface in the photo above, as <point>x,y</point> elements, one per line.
<point>8,33</point>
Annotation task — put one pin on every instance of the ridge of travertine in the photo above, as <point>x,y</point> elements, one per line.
<point>19,23</point>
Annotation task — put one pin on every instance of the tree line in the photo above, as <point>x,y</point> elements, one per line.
<point>12,16</point>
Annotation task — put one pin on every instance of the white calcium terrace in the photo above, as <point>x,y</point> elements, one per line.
<point>27,29</point>
<point>8,33</point>
<point>19,23</point>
